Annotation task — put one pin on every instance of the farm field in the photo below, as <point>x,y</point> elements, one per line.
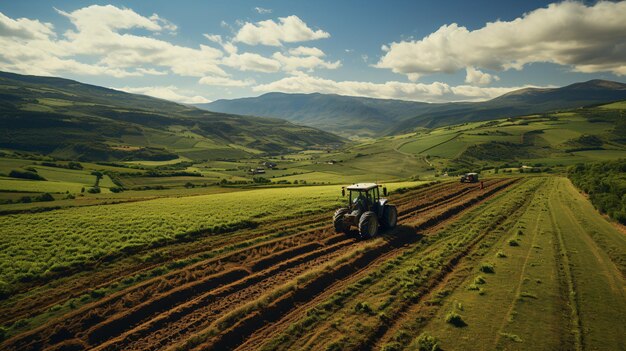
<point>292,283</point>
<point>554,140</point>
<point>550,142</point>
<point>63,240</point>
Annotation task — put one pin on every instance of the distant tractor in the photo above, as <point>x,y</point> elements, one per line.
<point>469,178</point>
<point>366,210</point>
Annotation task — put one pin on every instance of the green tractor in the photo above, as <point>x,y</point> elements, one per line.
<point>366,210</point>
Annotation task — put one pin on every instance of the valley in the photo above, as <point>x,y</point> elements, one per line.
<point>132,223</point>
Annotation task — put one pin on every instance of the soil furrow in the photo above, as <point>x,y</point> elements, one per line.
<point>135,304</point>
<point>411,309</point>
<point>199,311</point>
<point>228,339</point>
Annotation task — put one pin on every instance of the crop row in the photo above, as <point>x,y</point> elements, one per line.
<point>235,327</point>
<point>192,275</point>
<point>47,244</point>
<point>356,314</point>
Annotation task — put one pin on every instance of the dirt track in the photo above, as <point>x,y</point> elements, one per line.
<point>186,307</point>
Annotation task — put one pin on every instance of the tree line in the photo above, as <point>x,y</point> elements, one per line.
<point>605,182</point>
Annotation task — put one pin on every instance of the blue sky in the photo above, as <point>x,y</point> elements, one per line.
<point>199,51</point>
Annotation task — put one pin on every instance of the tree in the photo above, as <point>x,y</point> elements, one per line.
<point>74,165</point>
<point>98,175</point>
<point>44,197</point>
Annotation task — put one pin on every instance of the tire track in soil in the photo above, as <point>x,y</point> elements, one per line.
<point>245,329</point>
<point>205,312</point>
<point>444,279</point>
<point>86,318</point>
<point>566,277</point>
<point>75,286</point>
<point>522,274</point>
<point>195,313</point>
<point>263,334</point>
<point>435,282</point>
<point>451,280</point>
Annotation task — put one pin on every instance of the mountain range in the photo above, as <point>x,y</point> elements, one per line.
<point>67,119</point>
<point>72,120</point>
<point>359,116</point>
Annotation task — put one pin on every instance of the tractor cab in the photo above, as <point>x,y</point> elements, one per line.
<point>365,209</point>
<point>365,197</point>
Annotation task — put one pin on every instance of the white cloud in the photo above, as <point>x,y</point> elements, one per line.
<point>225,81</point>
<point>226,45</point>
<point>25,28</point>
<point>251,62</point>
<point>307,51</point>
<point>294,63</point>
<point>262,11</point>
<point>101,34</point>
<point>434,92</point>
<point>109,17</point>
<point>289,29</point>
<point>151,71</point>
<point>477,77</point>
<point>167,93</point>
<point>216,38</point>
<point>164,23</point>
<point>301,57</point>
<point>587,38</point>
<point>32,47</point>
<point>97,34</point>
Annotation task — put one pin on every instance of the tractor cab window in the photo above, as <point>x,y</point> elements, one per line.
<point>360,199</point>
<point>370,196</point>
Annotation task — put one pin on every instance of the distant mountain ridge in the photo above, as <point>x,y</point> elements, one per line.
<point>348,115</point>
<point>68,119</point>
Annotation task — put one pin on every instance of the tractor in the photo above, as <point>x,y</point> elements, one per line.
<point>469,178</point>
<point>365,210</point>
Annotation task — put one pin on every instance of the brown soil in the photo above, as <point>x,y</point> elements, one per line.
<point>168,310</point>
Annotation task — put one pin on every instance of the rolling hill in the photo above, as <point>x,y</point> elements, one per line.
<point>72,120</point>
<point>348,115</point>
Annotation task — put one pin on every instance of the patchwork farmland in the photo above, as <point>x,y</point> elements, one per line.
<point>523,259</point>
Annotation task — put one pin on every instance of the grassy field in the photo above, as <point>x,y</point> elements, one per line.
<point>40,244</point>
<point>550,141</point>
<point>550,290</point>
<point>39,186</point>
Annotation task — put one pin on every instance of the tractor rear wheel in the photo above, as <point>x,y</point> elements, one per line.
<point>390,216</point>
<point>368,225</point>
<point>340,225</point>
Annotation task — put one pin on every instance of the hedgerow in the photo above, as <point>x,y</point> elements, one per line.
<point>605,182</point>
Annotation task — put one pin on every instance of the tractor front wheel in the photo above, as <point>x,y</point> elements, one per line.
<point>340,224</point>
<point>390,216</point>
<point>368,225</point>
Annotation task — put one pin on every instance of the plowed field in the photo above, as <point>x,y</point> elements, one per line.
<point>311,288</point>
